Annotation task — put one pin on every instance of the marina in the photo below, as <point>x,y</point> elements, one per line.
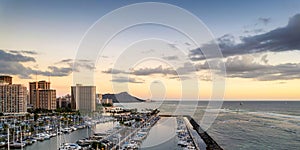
<point>137,130</point>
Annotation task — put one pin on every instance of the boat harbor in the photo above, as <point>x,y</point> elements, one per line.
<point>126,130</point>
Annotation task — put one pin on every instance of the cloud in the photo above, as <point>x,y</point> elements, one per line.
<point>11,64</point>
<point>281,39</point>
<point>187,44</point>
<point>6,56</point>
<point>114,71</point>
<point>65,61</point>
<point>187,68</point>
<point>14,68</point>
<point>104,57</point>
<point>180,77</point>
<point>174,57</point>
<point>254,31</point>
<point>76,65</point>
<point>143,71</point>
<point>82,64</point>
<point>264,58</point>
<point>263,20</point>
<point>58,71</point>
<point>125,80</point>
<point>148,51</point>
<point>245,67</point>
<point>173,45</point>
<point>23,52</point>
<point>157,70</point>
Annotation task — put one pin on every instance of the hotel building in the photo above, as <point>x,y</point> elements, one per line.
<point>83,98</point>
<point>41,96</point>
<point>13,97</point>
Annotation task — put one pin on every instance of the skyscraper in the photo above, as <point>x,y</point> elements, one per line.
<point>41,96</point>
<point>13,97</point>
<point>83,98</point>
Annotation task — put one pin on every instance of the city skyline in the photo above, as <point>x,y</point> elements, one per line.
<point>258,42</point>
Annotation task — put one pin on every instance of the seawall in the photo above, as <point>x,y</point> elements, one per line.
<point>209,141</point>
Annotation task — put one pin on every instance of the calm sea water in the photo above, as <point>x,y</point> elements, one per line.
<point>53,143</point>
<point>250,125</point>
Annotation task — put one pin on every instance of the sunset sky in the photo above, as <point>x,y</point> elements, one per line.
<point>259,41</point>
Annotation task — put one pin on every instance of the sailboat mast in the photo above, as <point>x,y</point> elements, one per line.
<point>21,138</point>
<point>8,138</point>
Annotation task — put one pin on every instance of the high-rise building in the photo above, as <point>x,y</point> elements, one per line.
<point>83,98</point>
<point>44,85</point>
<point>47,99</point>
<point>6,79</point>
<point>13,98</point>
<point>41,96</point>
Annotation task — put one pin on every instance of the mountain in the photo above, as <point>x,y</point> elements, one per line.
<point>122,97</point>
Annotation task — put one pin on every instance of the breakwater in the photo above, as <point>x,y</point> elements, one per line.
<point>211,144</point>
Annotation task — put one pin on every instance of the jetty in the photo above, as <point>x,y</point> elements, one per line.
<point>202,140</point>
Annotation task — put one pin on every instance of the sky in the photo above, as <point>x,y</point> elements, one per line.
<point>258,40</point>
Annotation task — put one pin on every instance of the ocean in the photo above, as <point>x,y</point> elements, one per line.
<point>243,125</point>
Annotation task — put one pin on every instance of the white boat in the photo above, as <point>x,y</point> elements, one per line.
<point>3,144</point>
<point>46,136</point>
<point>70,146</point>
<point>189,148</point>
<point>16,145</point>
<point>132,145</point>
<point>42,136</point>
<point>182,143</point>
<point>66,130</point>
<point>73,128</point>
<point>39,138</point>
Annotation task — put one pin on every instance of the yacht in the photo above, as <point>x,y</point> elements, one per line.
<point>70,146</point>
<point>16,144</point>
<point>3,144</point>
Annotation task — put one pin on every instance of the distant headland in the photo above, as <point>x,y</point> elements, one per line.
<point>122,97</point>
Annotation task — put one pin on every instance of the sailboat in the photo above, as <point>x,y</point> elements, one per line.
<point>17,144</point>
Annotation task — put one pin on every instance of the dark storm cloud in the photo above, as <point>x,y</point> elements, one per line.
<point>281,39</point>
